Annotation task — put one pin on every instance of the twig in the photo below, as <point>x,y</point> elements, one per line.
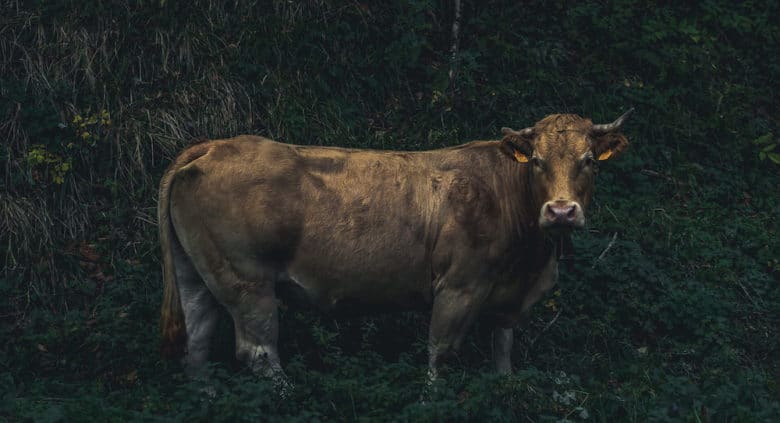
<point>146,219</point>
<point>545,328</point>
<point>613,214</point>
<point>560,309</point>
<point>604,253</point>
<point>455,42</point>
<point>654,174</point>
<point>551,322</point>
<point>747,294</point>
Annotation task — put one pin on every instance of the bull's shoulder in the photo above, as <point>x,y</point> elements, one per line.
<point>472,191</point>
<point>472,203</point>
<point>475,156</point>
<point>482,151</point>
<point>475,146</point>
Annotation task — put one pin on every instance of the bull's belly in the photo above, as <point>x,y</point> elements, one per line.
<point>353,294</point>
<point>338,269</point>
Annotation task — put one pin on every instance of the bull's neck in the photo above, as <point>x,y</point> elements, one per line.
<point>522,216</point>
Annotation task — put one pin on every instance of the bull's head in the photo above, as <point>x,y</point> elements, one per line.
<point>562,154</point>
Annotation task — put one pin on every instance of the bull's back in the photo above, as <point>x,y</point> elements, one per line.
<point>341,227</point>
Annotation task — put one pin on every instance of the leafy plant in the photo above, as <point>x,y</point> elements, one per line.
<point>769,148</point>
<point>668,312</point>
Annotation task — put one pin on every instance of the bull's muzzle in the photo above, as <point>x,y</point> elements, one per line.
<point>561,214</point>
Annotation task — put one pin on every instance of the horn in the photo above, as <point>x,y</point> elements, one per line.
<point>604,128</point>
<point>526,132</point>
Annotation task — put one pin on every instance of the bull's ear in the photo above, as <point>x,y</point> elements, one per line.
<point>609,145</point>
<point>517,144</point>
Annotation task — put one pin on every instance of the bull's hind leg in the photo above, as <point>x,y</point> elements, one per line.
<point>257,328</point>
<point>248,295</point>
<point>200,313</point>
<point>256,319</point>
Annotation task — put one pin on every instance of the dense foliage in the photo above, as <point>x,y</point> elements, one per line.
<point>669,311</point>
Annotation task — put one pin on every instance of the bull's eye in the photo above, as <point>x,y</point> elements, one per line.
<point>537,163</point>
<point>589,163</point>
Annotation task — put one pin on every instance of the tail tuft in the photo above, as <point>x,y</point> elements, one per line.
<point>174,337</point>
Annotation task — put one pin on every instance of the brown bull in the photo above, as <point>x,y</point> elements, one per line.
<point>461,231</point>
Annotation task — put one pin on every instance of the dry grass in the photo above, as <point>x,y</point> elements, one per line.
<point>160,95</point>
<point>24,227</point>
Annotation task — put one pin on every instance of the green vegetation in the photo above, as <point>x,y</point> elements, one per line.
<point>669,312</point>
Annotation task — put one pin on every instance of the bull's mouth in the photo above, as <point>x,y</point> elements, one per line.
<point>557,229</point>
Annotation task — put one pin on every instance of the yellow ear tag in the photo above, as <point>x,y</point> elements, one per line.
<point>605,155</point>
<point>520,157</point>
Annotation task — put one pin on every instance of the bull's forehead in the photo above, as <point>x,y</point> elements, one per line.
<point>562,137</point>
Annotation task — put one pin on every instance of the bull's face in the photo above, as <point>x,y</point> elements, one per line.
<point>562,153</point>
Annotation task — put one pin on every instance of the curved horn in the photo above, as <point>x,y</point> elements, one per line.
<point>604,128</point>
<point>526,132</point>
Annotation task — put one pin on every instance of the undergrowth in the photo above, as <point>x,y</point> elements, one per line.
<point>668,312</point>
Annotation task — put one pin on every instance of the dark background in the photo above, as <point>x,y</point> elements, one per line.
<point>670,310</point>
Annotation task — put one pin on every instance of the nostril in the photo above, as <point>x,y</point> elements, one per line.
<point>550,212</point>
<point>572,212</point>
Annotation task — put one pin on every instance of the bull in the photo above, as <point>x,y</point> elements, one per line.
<point>463,231</point>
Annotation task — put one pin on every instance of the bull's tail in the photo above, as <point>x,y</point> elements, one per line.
<point>174,331</point>
<point>172,324</point>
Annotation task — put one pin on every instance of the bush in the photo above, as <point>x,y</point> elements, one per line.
<point>670,311</point>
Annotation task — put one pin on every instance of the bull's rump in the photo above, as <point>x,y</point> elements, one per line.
<point>342,227</point>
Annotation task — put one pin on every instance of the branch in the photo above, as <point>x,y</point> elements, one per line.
<point>546,327</point>
<point>455,42</point>
<point>604,253</point>
<point>560,309</point>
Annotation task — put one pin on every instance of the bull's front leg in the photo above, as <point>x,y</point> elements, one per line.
<point>502,350</point>
<point>452,316</point>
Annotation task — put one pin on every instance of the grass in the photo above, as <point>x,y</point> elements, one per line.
<point>668,312</point>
